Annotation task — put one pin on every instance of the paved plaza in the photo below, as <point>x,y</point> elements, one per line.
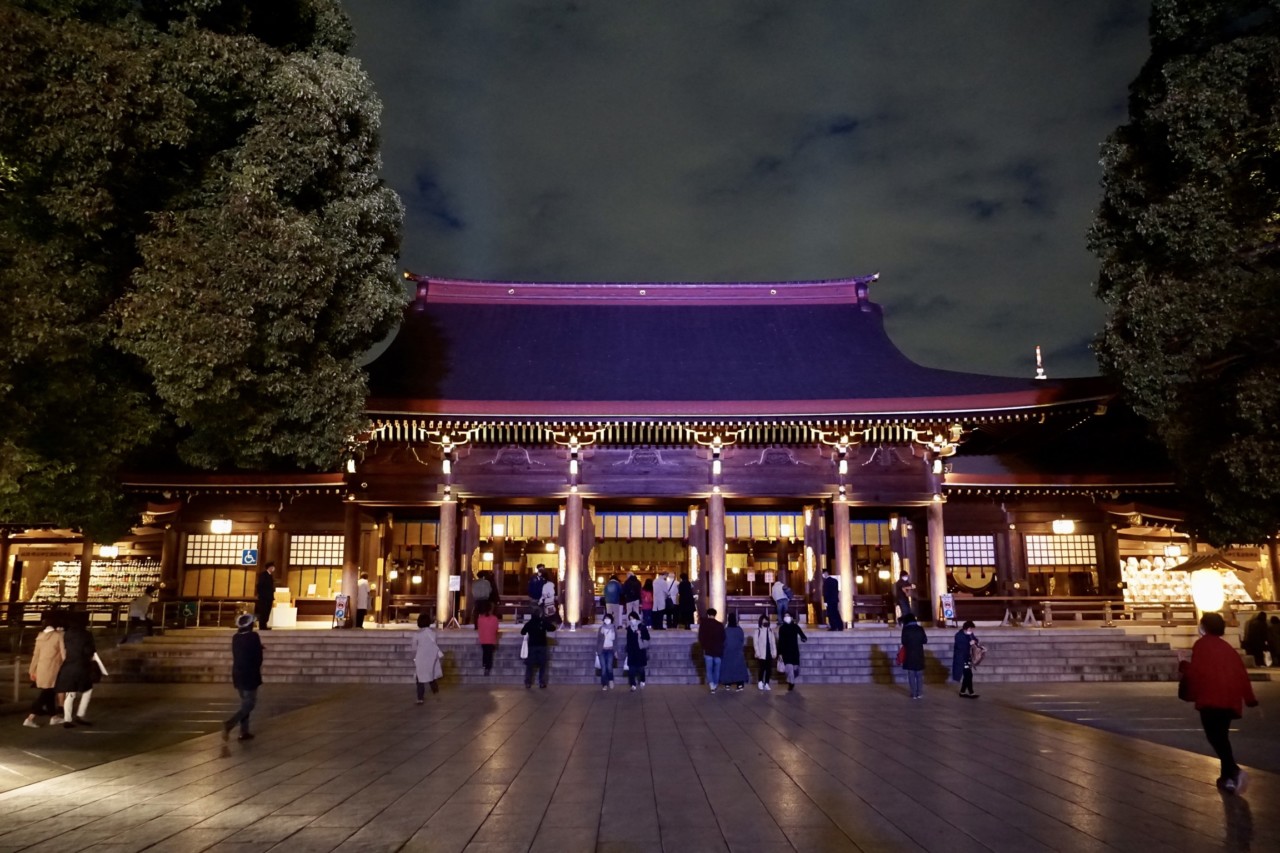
<point>361,768</point>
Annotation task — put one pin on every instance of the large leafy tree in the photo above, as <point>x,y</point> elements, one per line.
<point>1189,240</point>
<point>195,245</point>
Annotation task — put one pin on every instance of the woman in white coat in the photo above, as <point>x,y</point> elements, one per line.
<point>426,658</point>
<point>766,648</point>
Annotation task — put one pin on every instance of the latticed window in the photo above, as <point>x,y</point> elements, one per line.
<point>322,550</point>
<point>971,550</point>
<point>212,550</point>
<point>1059,550</point>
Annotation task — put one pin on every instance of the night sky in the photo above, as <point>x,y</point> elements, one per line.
<point>952,147</point>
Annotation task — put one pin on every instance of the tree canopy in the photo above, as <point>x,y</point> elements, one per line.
<point>195,244</point>
<point>1188,236</point>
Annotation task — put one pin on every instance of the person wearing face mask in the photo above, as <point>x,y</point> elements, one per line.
<point>766,648</point>
<point>637,651</point>
<point>790,636</point>
<point>961,660</point>
<point>606,638</point>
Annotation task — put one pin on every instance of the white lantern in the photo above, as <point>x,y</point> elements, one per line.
<point>1207,591</point>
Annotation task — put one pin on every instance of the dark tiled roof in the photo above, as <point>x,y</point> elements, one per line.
<point>532,349</point>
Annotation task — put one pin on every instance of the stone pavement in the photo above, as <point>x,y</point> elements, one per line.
<point>361,768</point>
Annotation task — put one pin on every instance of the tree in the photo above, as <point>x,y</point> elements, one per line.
<point>1188,236</point>
<point>195,245</point>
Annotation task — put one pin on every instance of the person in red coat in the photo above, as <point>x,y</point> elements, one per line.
<point>1216,680</point>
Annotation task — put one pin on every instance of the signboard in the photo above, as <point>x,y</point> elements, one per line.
<point>340,604</point>
<point>455,583</point>
<point>751,577</point>
<point>948,606</point>
<point>768,577</point>
<point>249,557</point>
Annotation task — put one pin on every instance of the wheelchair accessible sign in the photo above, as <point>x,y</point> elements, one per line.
<point>249,557</point>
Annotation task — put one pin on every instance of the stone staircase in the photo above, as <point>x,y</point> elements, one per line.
<point>861,656</point>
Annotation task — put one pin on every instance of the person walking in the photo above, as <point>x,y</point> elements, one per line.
<point>1254,638</point>
<point>606,649</point>
<point>711,639</point>
<point>913,642</point>
<point>790,636</point>
<point>766,650</point>
<point>962,659</point>
<point>637,651</point>
<point>487,637</point>
<point>781,596</point>
<point>903,591</point>
<point>481,592</point>
<point>1273,639</point>
<point>362,598</point>
<point>1216,680</point>
<point>536,630</point>
<point>659,620</point>
<point>613,599</point>
<point>77,674</point>
<point>646,603</point>
<point>427,669</point>
<point>46,661</point>
<point>733,666</point>
<point>140,611</point>
<point>265,592</point>
<point>246,674</point>
<point>686,602</point>
<point>831,597</point>
<point>547,603</point>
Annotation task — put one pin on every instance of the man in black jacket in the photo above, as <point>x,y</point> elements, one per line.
<point>631,594</point>
<point>265,591</point>
<point>246,674</point>
<point>831,595</point>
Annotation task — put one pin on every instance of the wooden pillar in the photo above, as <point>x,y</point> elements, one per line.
<point>844,557</point>
<point>573,560</point>
<point>350,556</point>
<point>170,579</point>
<point>86,570</point>
<point>446,563</point>
<point>273,550</point>
<point>937,561</point>
<point>715,552</point>
<point>1273,551</point>
<point>1109,554</point>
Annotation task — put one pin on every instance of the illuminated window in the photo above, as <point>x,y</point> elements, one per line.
<point>971,550</point>
<point>315,550</point>
<point>1057,550</point>
<point>209,550</point>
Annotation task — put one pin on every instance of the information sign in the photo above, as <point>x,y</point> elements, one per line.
<point>948,606</point>
<point>455,583</point>
<point>249,557</point>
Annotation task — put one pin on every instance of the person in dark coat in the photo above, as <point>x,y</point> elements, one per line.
<point>913,641</point>
<point>1254,639</point>
<point>265,591</point>
<point>686,603</point>
<point>631,590</point>
<point>903,591</point>
<point>1216,680</point>
<point>790,636</point>
<point>637,651</point>
<point>536,630</point>
<point>831,596</point>
<point>246,674</point>
<point>961,668</point>
<point>76,675</point>
<point>733,668</point>
<point>711,639</point>
<point>1273,639</point>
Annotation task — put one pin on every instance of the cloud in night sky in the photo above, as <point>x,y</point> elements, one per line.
<point>952,147</point>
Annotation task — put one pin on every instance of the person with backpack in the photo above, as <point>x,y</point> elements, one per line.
<point>781,595</point>
<point>968,652</point>
<point>613,599</point>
